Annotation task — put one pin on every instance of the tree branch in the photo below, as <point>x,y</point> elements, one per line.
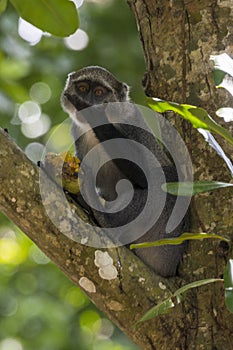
<point>124,298</point>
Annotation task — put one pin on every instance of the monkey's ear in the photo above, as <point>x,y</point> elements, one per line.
<point>125,91</point>
<point>125,86</point>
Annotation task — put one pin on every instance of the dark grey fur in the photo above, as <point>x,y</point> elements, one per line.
<point>163,260</point>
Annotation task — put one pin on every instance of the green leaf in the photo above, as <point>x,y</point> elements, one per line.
<point>196,284</point>
<point>178,240</point>
<point>228,284</point>
<point>197,116</point>
<point>218,77</point>
<point>228,275</point>
<point>192,188</point>
<point>58,17</point>
<point>175,298</point>
<point>3,5</point>
<point>158,309</point>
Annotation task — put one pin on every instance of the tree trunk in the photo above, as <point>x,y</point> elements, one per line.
<point>178,39</point>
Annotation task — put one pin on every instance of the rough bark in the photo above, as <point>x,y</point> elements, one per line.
<point>177,39</point>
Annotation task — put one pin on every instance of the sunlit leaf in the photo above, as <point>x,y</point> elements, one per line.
<point>215,145</point>
<point>186,111</point>
<point>192,188</point>
<point>196,115</point>
<point>227,83</point>
<point>223,62</point>
<point>58,17</point>
<point>178,240</point>
<point>228,283</point>
<point>3,4</point>
<point>226,113</point>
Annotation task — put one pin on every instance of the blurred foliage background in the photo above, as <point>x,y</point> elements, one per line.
<point>39,307</point>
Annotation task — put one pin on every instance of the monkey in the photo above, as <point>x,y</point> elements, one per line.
<point>96,87</point>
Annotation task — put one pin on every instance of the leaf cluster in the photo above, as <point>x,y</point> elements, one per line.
<point>58,17</point>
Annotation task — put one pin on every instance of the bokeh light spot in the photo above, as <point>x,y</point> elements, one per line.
<point>40,92</point>
<point>10,252</point>
<point>26,283</point>
<point>10,306</point>
<point>78,3</point>
<point>77,41</point>
<point>29,32</point>
<point>29,112</point>
<point>76,297</point>
<point>89,320</point>
<point>105,328</point>
<point>38,256</point>
<point>37,128</point>
<point>10,344</point>
<point>59,138</point>
<point>34,151</point>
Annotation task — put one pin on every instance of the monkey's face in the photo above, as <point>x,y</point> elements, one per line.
<point>92,86</point>
<point>87,93</point>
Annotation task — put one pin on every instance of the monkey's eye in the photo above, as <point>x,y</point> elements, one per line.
<point>82,87</point>
<point>100,91</point>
